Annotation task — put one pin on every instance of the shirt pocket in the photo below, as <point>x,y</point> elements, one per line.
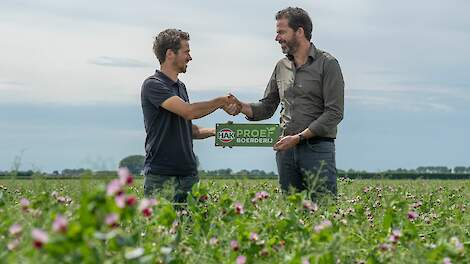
<point>311,87</point>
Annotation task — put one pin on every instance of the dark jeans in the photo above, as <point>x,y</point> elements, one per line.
<point>300,167</point>
<point>183,185</point>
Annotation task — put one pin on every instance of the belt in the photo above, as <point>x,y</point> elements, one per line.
<point>315,140</point>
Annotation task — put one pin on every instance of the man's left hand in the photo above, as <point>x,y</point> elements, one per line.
<point>286,142</point>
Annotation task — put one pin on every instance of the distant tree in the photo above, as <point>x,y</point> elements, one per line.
<point>75,172</point>
<point>459,169</point>
<point>135,163</point>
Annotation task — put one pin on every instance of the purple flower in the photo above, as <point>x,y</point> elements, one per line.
<point>395,236</point>
<point>254,236</point>
<point>114,188</point>
<point>234,245</point>
<point>125,176</point>
<point>120,200</point>
<point>112,220</point>
<point>385,247</point>
<point>412,215</point>
<point>241,259</point>
<point>60,224</point>
<point>131,200</point>
<point>15,230</point>
<point>39,238</point>
<point>24,204</point>
<point>213,241</point>
<point>239,208</point>
<point>13,244</point>
<point>446,260</point>
<point>145,206</point>
<point>323,225</point>
<point>310,206</point>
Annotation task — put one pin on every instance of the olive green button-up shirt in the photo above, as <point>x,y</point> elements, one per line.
<point>311,96</point>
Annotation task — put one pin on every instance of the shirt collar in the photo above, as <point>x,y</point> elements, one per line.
<point>312,53</point>
<point>165,78</point>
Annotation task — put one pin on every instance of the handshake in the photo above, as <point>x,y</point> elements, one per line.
<point>232,105</point>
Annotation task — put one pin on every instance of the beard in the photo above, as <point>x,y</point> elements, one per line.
<point>289,47</point>
<point>180,67</point>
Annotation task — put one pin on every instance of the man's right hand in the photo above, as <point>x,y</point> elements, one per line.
<point>232,106</point>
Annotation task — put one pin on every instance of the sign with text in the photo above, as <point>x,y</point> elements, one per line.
<point>246,135</point>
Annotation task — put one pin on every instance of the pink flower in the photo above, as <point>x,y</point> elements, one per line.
<point>114,188</point>
<point>13,244</point>
<point>64,199</point>
<point>145,206</point>
<point>39,238</point>
<point>446,260</point>
<point>260,196</point>
<point>147,212</point>
<point>203,198</point>
<point>385,247</point>
<point>131,200</point>
<point>234,245</point>
<point>112,220</point>
<point>120,200</point>
<point>323,225</point>
<point>144,203</point>
<point>458,245</point>
<point>239,208</point>
<point>60,224</point>
<point>241,259</point>
<point>125,176</point>
<point>310,206</point>
<point>15,230</point>
<point>254,236</point>
<point>412,215</point>
<point>24,204</point>
<point>213,241</point>
<point>395,236</point>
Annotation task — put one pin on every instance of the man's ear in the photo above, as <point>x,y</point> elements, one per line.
<point>170,54</point>
<point>300,31</point>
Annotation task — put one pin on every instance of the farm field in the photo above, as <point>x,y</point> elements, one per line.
<point>234,221</point>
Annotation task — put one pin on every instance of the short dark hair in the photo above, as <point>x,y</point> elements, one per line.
<point>168,39</point>
<point>297,18</point>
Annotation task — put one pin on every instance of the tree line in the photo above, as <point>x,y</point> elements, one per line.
<point>135,164</point>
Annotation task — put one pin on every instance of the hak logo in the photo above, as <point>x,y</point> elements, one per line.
<point>226,135</point>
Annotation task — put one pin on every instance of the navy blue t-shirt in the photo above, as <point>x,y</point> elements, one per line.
<point>169,143</point>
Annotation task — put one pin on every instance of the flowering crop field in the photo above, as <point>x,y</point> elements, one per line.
<point>234,221</point>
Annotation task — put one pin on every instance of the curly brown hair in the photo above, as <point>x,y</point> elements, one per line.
<point>168,39</point>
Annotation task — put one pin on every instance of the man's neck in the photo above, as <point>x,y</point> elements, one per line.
<point>301,55</point>
<point>169,71</point>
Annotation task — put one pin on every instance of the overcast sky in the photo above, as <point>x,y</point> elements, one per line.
<point>71,73</point>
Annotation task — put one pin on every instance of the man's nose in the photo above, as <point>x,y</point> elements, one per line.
<point>277,37</point>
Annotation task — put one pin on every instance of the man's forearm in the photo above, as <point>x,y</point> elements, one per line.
<point>202,132</point>
<point>201,109</point>
<point>247,110</point>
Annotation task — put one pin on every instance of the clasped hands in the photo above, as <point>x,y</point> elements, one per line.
<point>232,105</point>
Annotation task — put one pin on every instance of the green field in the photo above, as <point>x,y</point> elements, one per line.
<point>396,221</point>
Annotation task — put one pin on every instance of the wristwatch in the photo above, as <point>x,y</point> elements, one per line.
<point>301,138</point>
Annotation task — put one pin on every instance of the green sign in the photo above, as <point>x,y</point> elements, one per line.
<point>246,135</point>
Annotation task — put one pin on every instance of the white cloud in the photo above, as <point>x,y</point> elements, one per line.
<point>57,49</point>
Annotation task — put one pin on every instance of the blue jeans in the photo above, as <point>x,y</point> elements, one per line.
<point>308,163</point>
<point>183,185</point>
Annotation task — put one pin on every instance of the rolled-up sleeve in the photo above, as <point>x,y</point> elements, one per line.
<point>265,108</point>
<point>333,96</point>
